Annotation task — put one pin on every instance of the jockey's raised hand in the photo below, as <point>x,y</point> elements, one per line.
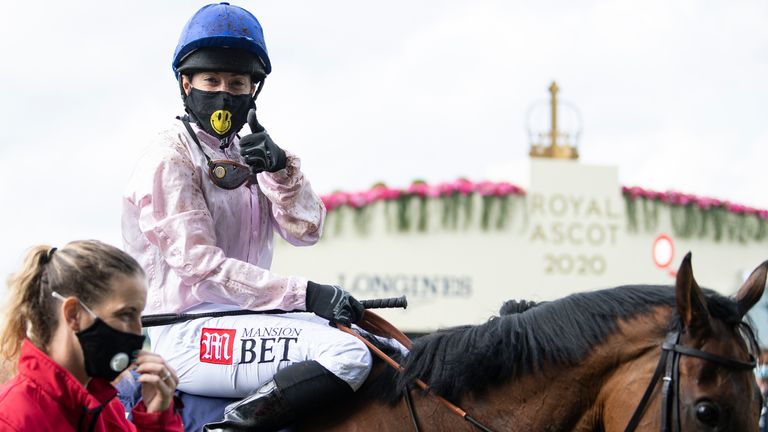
<point>333,303</point>
<point>259,151</point>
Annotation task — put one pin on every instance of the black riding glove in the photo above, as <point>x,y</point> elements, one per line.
<point>333,303</point>
<point>258,150</point>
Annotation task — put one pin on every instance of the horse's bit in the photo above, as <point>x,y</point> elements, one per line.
<point>668,365</point>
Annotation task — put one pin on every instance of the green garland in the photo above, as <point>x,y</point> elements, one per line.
<point>690,221</point>
<point>411,213</point>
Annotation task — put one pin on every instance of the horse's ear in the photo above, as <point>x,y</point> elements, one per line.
<point>751,291</point>
<point>691,304</point>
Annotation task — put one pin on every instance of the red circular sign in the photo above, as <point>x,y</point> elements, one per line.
<point>663,251</point>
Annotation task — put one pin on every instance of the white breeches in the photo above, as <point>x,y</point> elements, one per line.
<point>233,356</point>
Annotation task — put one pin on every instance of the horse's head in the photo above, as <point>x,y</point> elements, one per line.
<point>715,395</point>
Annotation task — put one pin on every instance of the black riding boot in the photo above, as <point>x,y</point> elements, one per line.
<point>294,392</point>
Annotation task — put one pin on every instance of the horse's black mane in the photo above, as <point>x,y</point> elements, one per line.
<point>527,336</point>
<point>516,306</point>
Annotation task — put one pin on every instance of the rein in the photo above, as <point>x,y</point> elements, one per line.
<point>669,367</point>
<point>379,326</point>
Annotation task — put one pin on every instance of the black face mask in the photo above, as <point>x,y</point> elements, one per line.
<point>106,351</point>
<point>221,114</point>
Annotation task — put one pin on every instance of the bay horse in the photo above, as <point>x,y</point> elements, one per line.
<point>580,363</point>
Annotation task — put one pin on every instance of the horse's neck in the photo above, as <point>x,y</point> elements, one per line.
<point>635,350</point>
<point>575,396</point>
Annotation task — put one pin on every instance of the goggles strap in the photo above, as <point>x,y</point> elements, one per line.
<point>197,141</point>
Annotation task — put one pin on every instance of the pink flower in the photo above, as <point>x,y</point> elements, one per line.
<point>433,191</point>
<point>390,194</point>
<point>328,202</point>
<point>708,203</point>
<point>506,188</point>
<point>358,200</point>
<point>634,192</point>
<point>446,189</point>
<point>734,208</point>
<point>652,195</point>
<point>335,200</point>
<point>684,199</point>
<point>464,186</point>
<point>486,188</point>
<point>419,188</point>
<point>381,192</point>
<point>373,195</point>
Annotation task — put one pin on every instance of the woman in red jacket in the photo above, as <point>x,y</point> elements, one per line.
<point>73,325</point>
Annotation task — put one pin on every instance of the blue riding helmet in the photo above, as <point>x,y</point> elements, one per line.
<point>223,26</point>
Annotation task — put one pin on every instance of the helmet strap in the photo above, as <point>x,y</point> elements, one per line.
<point>258,89</point>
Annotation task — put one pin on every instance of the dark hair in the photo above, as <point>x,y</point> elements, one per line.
<point>83,269</point>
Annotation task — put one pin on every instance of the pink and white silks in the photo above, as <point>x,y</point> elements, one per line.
<point>205,249</point>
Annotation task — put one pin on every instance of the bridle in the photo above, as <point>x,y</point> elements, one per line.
<point>669,367</point>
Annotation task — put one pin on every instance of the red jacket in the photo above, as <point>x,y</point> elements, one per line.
<point>44,396</point>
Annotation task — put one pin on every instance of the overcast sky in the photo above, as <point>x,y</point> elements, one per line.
<point>672,92</point>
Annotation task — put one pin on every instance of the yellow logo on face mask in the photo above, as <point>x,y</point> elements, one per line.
<point>221,121</point>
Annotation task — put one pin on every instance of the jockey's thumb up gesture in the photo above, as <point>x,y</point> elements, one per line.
<point>258,150</point>
<point>158,381</point>
<point>333,303</point>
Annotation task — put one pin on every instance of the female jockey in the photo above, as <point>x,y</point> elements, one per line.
<point>73,324</point>
<point>199,215</point>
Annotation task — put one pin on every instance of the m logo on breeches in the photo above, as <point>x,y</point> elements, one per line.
<point>216,345</point>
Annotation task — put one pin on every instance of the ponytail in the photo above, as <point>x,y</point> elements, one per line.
<point>28,312</point>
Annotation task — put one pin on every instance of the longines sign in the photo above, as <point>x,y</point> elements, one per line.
<point>414,286</point>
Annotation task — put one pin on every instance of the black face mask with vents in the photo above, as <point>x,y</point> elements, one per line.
<point>107,351</point>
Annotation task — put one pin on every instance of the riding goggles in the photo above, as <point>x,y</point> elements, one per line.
<point>224,173</point>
